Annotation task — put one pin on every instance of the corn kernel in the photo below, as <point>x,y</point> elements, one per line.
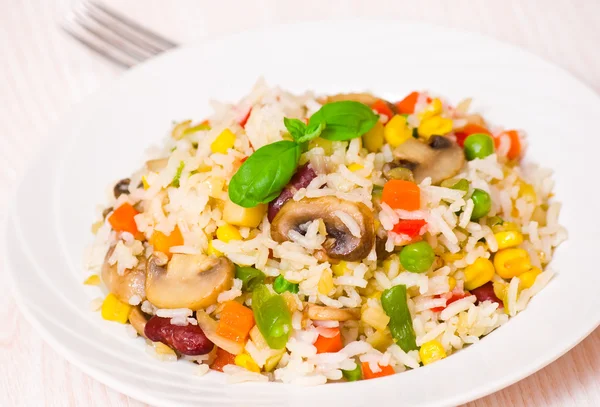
<point>227,232</point>
<point>396,131</point>
<point>211,251</point>
<point>528,192</point>
<point>145,182</point>
<point>508,239</point>
<point>431,351</point>
<point>435,125</point>
<point>223,142</point>
<point>376,317</point>
<point>527,279</point>
<point>355,167</point>
<point>340,269</point>
<point>452,257</point>
<point>380,340</point>
<point>373,140</point>
<point>500,289</point>
<point>94,279</point>
<point>451,283</point>
<point>162,349</point>
<point>375,294</point>
<point>326,145</point>
<point>510,263</point>
<point>326,282</point>
<point>244,360</point>
<point>433,109</point>
<point>240,216</point>
<point>115,310</point>
<point>478,273</point>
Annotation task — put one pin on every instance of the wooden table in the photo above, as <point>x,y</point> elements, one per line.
<point>43,74</point>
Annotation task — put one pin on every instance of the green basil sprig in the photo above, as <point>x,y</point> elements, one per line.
<point>262,177</point>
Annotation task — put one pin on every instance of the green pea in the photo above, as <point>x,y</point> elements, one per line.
<point>482,204</point>
<point>281,284</point>
<point>354,374</point>
<point>417,257</point>
<point>478,145</point>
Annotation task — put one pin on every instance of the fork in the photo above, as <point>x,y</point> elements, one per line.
<point>112,35</point>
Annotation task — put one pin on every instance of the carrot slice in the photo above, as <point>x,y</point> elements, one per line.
<point>122,219</point>
<point>407,105</point>
<point>329,345</point>
<point>469,129</point>
<point>236,322</point>
<point>409,227</point>
<point>381,107</point>
<point>401,194</point>
<point>515,143</point>
<point>223,358</point>
<point>368,374</point>
<point>163,243</point>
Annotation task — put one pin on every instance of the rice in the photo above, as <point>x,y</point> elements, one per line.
<point>182,194</point>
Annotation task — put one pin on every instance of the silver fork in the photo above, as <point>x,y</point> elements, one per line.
<point>112,35</point>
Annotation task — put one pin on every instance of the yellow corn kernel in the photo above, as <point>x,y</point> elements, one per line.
<point>376,317</point>
<point>508,239</point>
<point>510,263</point>
<point>326,145</point>
<point>478,273</point>
<point>505,227</point>
<point>527,279</point>
<point>227,232</point>
<point>373,140</point>
<point>94,279</point>
<point>500,289</point>
<point>431,351</point>
<point>396,131</point>
<point>215,187</point>
<point>528,192</point>
<point>244,360</point>
<point>204,168</point>
<point>145,182</point>
<point>452,257</point>
<point>223,142</point>
<point>435,125</point>
<point>375,294</point>
<point>340,269</point>
<point>326,282</point>
<point>451,283</point>
<point>433,109</point>
<point>115,310</point>
<point>162,349</point>
<point>355,167</point>
<point>240,216</point>
<point>380,340</point>
<point>211,251</point>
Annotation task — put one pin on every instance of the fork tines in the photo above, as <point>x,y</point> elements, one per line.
<point>112,35</point>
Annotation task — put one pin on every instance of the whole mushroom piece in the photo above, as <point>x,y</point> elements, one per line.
<point>124,286</point>
<point>187,281</point>
<point>341,243</point>
<point>439,159</point>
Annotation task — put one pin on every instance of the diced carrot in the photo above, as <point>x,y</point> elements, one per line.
<point>381,107</point>
<point>244,119</point>
<point>515,143</point>
<point>407,105</point>
<point>205,123</point>
<point>122,219</point>
<point>368,374</point>
<point>236,322</point>
<point>409,227</point>
<point>469,129</point>
<point>329,345</point>
<point>453,298</point>
<point>223,358</point>
<point>163,243</point>
<point>401,194</point>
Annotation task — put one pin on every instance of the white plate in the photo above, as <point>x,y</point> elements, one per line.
<point>105,138</point>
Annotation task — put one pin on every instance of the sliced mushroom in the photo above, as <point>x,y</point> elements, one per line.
<point>124,286</point>
<point>341,243</point>
<point>321,313</point>
<point>188,281</point>
<point>138,320</point>
<point>440,159</point>
<point>157,165</point>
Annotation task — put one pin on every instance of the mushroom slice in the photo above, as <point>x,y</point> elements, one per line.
<point>440,159</point>
<point>188,281</point>
<point>320,313</point>
<point>138,320</point>
<point>127,285</point>
<point>341,243</point>
<point>157,165</point>
<point>365,98</point>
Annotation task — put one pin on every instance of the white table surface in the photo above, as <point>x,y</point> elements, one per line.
<point>43,74</point>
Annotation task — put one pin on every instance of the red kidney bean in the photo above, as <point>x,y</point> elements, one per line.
<point>301,179</point>
<point>486,293</point>
<point>187,340</point>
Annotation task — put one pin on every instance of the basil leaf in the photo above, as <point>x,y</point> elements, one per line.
<point>344,120</point>
<point>264,174</point>
<point>312,131</point>
<point>296,127</point>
